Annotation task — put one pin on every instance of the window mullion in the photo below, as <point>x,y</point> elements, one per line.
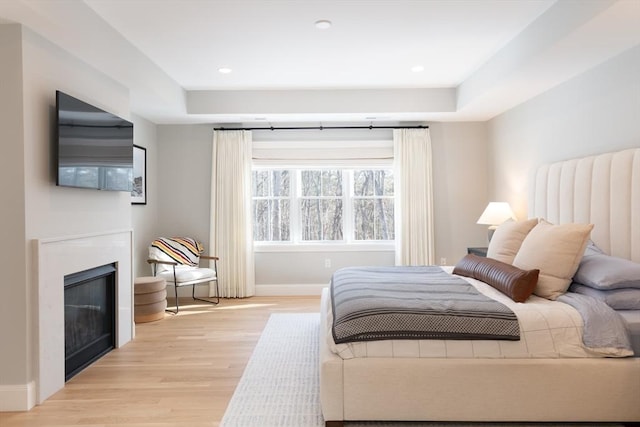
<point>347,202</point>
<point>296,226</point>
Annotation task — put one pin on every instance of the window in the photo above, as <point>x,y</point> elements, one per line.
<point>323,205</point>
<point>271,205</point>
<point>373,205</point>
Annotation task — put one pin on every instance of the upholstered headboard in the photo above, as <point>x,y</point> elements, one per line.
<point>603,190</point>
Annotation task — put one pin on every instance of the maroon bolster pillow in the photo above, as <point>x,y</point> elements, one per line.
<point>517,284</point>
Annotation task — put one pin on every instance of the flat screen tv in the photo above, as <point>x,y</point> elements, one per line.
<point>94,147</point>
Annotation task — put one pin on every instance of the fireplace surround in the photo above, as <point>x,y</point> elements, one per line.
<point>59,257</point>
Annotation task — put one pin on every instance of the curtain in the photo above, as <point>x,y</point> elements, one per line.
<point>231,223</point>
<point>414,197</point>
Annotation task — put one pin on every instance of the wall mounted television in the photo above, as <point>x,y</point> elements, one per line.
<point>94,147</point>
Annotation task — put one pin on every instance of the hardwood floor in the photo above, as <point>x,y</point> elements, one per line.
<point>180,371</point>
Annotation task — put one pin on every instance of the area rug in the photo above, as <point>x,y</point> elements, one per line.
<point>280,386</point>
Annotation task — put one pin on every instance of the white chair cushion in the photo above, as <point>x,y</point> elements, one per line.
<point>187,274</point>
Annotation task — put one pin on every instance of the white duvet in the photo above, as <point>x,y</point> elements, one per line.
<point>548,329</point>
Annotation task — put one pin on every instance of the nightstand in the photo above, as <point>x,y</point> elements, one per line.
<point>477,251</point>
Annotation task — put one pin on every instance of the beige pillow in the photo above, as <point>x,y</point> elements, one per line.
<point>507,238</point>
<point>556,250</point>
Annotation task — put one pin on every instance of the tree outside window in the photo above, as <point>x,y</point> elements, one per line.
<point>271,205</point>
<point>323,205</point>
<point>373,205</point>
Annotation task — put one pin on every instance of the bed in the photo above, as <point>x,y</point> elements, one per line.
<point>603,190</point>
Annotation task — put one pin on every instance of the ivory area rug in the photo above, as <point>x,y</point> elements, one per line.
<point>280,386</point>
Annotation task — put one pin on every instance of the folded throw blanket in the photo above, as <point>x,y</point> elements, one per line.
<point>603,327</point>
<point>404,302</point>
<point>183,250</point>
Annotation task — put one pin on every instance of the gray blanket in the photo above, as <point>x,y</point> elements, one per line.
<point>380,303</point>
<point>603,327</point>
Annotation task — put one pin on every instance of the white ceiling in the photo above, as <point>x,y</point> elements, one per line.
<point>480,57</point>
<point>274,44</point>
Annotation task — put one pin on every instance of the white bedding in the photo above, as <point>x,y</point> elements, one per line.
<point>548,329</point>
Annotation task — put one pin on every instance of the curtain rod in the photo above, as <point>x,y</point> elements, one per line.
<point>370,127</point>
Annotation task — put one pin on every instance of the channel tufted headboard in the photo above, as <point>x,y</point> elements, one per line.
<point>603,190</point>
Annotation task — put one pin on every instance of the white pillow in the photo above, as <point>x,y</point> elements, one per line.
<point>556,250</point>
<point>507,238</point>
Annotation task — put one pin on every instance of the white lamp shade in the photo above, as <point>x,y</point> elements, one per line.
<point>496,213</point>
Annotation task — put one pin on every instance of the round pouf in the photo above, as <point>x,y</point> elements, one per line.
<point>149,299</point>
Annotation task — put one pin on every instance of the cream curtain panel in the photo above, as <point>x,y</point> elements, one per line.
<point>414,197</point>
<point>231,224</point>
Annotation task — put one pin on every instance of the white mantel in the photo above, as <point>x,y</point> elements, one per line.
<point>58,257</point>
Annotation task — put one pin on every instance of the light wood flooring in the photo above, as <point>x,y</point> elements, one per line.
<point>180,371</point>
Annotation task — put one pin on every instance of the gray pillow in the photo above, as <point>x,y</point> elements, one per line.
<point>601,271</point>
<point>618,299</point>
<point>592,249</point>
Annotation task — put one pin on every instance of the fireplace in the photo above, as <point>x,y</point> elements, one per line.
<point>59,257</point>
<point>89,317</point>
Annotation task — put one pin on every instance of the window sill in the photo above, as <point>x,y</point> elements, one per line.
<point>324,247</point>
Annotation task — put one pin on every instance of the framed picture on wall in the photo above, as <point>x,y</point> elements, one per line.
<point>139,190</point>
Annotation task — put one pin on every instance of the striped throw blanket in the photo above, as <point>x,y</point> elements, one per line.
<point>183,250</point>
<point>383,303</point>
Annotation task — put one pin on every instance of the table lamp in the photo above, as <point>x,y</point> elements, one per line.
<point>495,214</point>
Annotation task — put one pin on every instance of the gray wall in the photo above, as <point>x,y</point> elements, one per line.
<point>14,316</point>
<point>145,217</point>
<point>595,112</point>
<point>460,192</point>
<point>184,181</point>
<point>32,70</point>
<point>460,157</point>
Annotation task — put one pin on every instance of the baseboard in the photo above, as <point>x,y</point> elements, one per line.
<point>21,397</point>
<point>289,290</point>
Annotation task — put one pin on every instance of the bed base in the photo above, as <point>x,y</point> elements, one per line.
<point>483,390</point>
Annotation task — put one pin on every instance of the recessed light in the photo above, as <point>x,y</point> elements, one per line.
<point>323,24</point>
<point>224,70</point>
<point>417,68</point>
